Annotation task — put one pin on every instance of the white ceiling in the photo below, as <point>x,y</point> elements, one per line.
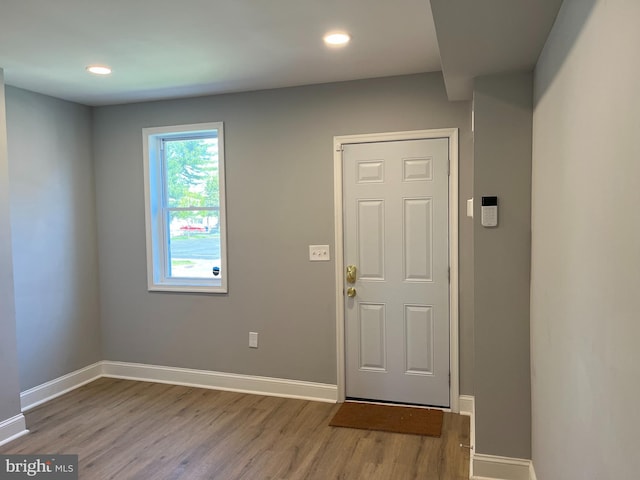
<point>167,48</point>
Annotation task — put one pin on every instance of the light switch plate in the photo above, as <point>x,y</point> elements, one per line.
<point>470,207</point>
<point>319,253</point>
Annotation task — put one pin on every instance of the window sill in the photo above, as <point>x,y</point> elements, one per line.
<point>212,289</point>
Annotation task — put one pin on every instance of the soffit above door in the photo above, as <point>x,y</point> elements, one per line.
<point>486,37</point>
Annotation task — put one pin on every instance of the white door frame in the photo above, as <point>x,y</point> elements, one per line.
<point>452,135</point>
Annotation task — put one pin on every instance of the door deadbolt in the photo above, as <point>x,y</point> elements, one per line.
<point>351,274</point>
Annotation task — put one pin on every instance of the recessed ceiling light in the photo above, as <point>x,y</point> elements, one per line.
<point>99,69</point>
<point>336,39</point>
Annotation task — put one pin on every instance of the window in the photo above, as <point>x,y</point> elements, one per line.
<point>185,211</point>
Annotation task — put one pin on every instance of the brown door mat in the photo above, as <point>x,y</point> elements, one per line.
<point>389,418</point>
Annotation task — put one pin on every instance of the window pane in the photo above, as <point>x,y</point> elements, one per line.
<point>194,244</point>
<point>184,184</point>
<point>192,172</point>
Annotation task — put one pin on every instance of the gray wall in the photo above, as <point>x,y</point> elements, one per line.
<point>280,199</point>
<point>586,245</point>
<point>54,236</point>
<point>502,166</point>
<point>10,391</point>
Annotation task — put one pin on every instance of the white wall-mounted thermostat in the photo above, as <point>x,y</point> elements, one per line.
<point>489,212</point>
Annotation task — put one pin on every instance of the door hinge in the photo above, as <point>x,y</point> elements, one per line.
<point>449,378</point>
<point>449,274</point>
<point>449,168</point>
<point>340,148</point>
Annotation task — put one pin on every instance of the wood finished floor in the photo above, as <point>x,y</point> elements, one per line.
<point>125,429</point>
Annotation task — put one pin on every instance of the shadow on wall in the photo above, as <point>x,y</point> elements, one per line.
<point>556,58</point>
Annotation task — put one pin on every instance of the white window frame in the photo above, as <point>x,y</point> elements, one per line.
<point>157,231</point>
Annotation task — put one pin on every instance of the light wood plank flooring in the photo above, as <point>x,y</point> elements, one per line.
<point>136,430</point>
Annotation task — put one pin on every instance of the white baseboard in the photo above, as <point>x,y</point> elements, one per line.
<point>59,386</point>
<point>12,428</point>
<point>491,467</point>
<point>178,376</point>
<point>277,387</point>
<point>500,468</point>
<point>468,407</point>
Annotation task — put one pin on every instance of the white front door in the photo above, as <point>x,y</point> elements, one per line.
<point>396,235</point>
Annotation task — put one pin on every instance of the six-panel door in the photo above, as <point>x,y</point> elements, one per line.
<point>396,234</point>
